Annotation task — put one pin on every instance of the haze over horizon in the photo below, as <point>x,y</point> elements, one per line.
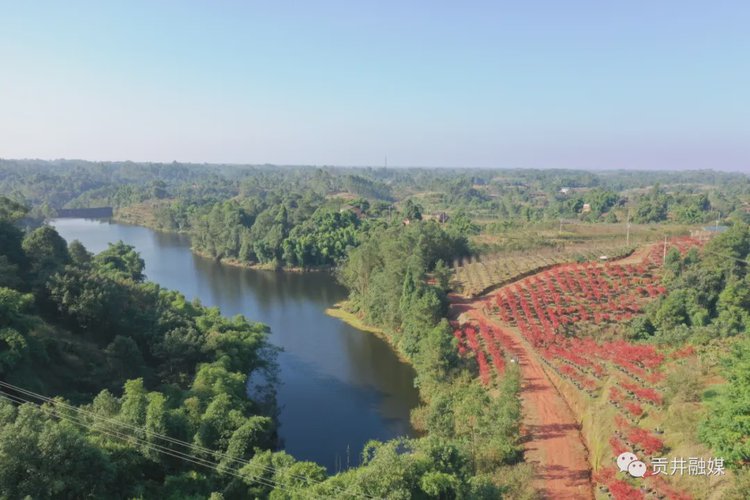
<point>373,166</point>
<point>541,84</point>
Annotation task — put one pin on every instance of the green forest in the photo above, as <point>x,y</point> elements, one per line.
<point>144,393</point>
<point>377,250</point>
<point>308,217</point>
<point>134,373</point>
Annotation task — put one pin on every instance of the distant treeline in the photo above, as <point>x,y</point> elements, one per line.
<point>310,216</point>
<point>545,193</point>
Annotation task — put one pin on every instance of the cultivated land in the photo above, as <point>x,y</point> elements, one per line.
<point>621,344</point>
<point>588,393</point>
<point>479,275</point>
<point>552,440</point>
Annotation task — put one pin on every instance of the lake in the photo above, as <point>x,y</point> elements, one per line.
<point>340,386</point>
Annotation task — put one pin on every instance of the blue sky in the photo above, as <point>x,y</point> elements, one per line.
<point>579,84</point>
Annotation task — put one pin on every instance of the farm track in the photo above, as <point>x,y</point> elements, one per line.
<point>552,438</point>
<point>551,432</point>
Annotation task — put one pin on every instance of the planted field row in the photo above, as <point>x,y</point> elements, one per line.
<point>551,307</point>
<point>637,440</point>
<point>478,274</point>
<point>483,343</point>
<point>571,293</point>
<point>650,487</point>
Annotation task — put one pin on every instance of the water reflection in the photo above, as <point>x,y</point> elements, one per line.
<point>340,386</point>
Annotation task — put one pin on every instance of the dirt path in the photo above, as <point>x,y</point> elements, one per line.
<point>553,442</point>
<point>638,256</point>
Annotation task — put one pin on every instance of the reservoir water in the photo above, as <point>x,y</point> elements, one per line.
<point>340,386</point>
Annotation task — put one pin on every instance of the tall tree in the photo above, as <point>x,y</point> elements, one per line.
<point>47,253</point>
<point>121,260</point>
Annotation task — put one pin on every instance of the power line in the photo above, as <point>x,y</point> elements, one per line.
<point>129,438</point>
<point>729,257</point>
<point>128,426</point>
<point>191,446</point>
<point>151,446</point>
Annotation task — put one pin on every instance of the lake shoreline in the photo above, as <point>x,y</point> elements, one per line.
<point>262,267</point>
<point>352,384</point>
<point>340,312</point>
<point>128,218</point>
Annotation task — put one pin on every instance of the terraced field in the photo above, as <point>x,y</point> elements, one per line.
<point>565,319</point>
<point>478,275</point>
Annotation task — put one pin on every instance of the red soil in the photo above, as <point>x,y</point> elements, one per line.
<point>552,437</point>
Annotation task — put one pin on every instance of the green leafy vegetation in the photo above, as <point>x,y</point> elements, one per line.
<point>727,428</point>
<point>393,292</point>
<point>91,331</point>
<point>708,292</point>
<point>295,231</point>
<point>132,364</point>
<point>708,305</point>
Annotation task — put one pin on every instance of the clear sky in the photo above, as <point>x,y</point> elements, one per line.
<point>532,83</point>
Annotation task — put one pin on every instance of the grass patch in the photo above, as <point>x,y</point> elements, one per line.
<point>341,311</point>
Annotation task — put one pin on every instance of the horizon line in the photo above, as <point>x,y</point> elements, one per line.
<point>390,166</point>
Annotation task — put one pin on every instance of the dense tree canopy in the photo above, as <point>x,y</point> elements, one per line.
<point>709,292</point>
<point>180,370</point>
<point>90,329</point>
<point>727,428</point>
<point>158,365</point>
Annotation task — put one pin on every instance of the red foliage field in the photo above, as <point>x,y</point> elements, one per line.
<point>552,308</point>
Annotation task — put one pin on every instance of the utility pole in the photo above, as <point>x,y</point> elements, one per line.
<point>664,256</point>
<point>627,233</point>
